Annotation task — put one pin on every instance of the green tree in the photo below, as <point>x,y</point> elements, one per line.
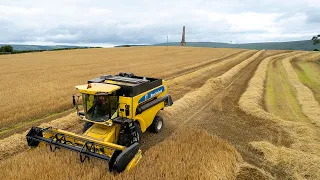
<point>316,39</point>
<point>7,49</point>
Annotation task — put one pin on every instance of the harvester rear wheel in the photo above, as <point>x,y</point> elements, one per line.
<point>138,132</point>
<point>157,124</point>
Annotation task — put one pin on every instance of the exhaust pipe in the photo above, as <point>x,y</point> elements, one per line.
<point>148,105</point>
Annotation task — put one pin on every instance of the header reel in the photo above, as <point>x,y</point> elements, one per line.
<point>119,157</point>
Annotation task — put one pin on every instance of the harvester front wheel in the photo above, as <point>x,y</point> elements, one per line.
<point>157,124</point>
<point>129,136</point>
<point>86,126</point>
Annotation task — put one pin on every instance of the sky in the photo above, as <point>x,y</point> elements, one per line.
<point>106,23</point>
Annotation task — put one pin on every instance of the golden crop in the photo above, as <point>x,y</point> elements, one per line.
<point>199,78</point>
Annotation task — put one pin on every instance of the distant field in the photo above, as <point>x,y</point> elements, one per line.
<point>237,114</point>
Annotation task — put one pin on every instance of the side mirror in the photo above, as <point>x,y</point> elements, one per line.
<point>74,100</point>
<point>127,110</point>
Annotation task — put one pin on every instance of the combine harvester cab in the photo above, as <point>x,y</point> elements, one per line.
<point>117,110</point>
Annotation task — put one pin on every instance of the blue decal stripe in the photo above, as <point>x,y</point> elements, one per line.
<point>151,94</point>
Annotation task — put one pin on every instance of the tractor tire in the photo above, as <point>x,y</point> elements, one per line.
<point>86,126</point>
<point>127,138</point>
<point>157,124</point>
<point>138,132</point>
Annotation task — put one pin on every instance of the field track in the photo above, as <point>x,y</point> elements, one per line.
<point>280,96</point>
<point>206,98</point>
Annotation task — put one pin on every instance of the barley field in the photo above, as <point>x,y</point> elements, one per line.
<point>237,114</point>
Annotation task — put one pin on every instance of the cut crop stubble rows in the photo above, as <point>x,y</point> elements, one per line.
<point>309,105</point>
<point>308,71</point>
<point>301,158</point>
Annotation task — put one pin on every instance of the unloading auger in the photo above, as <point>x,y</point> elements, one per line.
<point>117,110</point>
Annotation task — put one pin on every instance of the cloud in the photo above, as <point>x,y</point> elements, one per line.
<point>148,22</point>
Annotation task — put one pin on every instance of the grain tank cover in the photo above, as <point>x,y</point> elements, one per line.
<point>130,84</point>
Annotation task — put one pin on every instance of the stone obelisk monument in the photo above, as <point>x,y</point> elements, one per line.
<point>183,40</point>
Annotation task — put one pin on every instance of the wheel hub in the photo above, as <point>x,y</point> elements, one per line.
<point>159,125</point>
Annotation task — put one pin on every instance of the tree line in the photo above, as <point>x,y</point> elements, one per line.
<point>7,49</point>
<point>316,40</point>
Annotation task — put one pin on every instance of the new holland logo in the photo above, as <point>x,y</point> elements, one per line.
<point>151,94</point>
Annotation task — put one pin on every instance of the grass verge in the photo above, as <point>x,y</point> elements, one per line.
<point>310,107</point>
<point>309,75</point>
<point>280,96</point>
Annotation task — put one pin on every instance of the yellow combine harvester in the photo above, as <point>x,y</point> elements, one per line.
<point>117,110</point>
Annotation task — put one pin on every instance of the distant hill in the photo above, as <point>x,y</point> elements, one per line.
<point>292,45</point>
<point>17,47</point>
<point>130,45</point>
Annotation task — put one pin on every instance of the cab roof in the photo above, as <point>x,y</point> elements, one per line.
<point>97,88</point>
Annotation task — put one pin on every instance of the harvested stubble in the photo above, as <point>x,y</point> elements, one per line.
<point>195,99</point>
<point>206,69</point>
<point>280,97</point>
<point>187,154</point>
<point>309,57</point>
<point>309,105</point>
<point>308,73</point>
<point>37,84</point>
<point>203,64</point>
<point>250,101</point>
<point>303,152</point>
<point>235,70</point>
<point>297,163</point>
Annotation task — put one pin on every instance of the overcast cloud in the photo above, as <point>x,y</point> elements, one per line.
<point>102,22</point>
